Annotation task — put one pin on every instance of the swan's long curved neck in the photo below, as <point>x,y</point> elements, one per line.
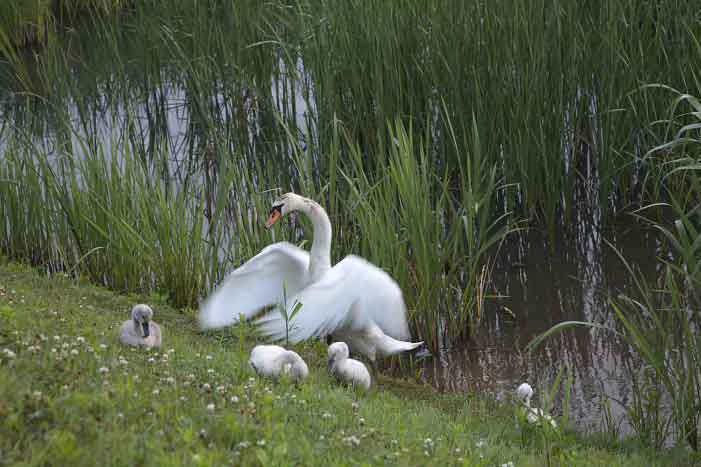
<point>320,256</point>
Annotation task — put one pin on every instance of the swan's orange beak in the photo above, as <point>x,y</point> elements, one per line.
<point>275,216</point>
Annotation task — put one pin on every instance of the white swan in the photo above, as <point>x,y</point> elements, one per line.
<point>141,329</point>
<point>524,393</point>
<point>355,301</point>
<point>346,369</point>
<point>271,361</point>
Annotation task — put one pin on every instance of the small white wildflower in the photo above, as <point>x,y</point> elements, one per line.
<point>34,348</point>
<point>191,376</point>
<point>394,442</point>
<point>460,459</point>
<point>480,443</point>
<point>209,357</point>
<point>54,350</point>
<point>508,464</point>
<point>210,407</point>
<point>151,359</point>
<point>104,369</point>
<point>243,445</point>
<point>221,389</point>
<point>322,437</point>
<point>120,415</point>
<point>261,442</point>
<point>251,380</point>
<point>171,350</point>
<point>65,345</point>
<point>103,346</point>
<point>156,392</point>
<point>74,352</point>
<point>351,440</point>
<point>183,398</point>
<point>361,421</point>
<point>57,338</point>
<point>170,380</point>
<point>42,337</point>
<point>326,415</point>
<point>354,406</point>
<point>234,400</point>
<point>89,349</point>
<point>64,387</point>
<point>80,339</point>
<point>196,458</point>
<point>210,370</point>
<point>37,394</point>
<point>457,450</point>
<point>207,387</point>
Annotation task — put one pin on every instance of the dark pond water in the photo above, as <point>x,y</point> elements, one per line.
<point>542,283</point>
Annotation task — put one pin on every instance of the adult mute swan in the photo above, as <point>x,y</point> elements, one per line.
<point>271,361</point>
<point>346,369</point>
<point>140,329</point>
<point>524,393</point>
<point>354,300</point>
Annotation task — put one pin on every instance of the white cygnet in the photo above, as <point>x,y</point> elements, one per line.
<point>524,393</point>
<point>271,361</point>
<point>346,369</point>
<point>141,329</point>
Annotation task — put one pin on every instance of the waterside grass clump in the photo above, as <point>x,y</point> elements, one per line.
<point>71,395</point>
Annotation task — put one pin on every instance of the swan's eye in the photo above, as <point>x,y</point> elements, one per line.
<point>277,208</point>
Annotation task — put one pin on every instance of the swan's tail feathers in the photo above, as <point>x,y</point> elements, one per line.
<point>389,346</point>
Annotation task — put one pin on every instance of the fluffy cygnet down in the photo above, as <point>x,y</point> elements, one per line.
<point>524,393</point>
<point>271,361</point>
<point>140,329</point>
<point>346,369</point>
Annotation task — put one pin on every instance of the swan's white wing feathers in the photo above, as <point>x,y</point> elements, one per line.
<point>256,284</point>
<point>350,295</point>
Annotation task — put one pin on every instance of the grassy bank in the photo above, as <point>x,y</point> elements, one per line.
<point>71,395</point>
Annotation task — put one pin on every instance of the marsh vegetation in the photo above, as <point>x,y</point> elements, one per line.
<point>139,147</point>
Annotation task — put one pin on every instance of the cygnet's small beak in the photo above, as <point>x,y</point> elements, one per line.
<point>145,327</point>
<point>275,216</point>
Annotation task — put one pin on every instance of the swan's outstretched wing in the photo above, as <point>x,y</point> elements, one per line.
<point>256,284</point>
<point>350,295</point>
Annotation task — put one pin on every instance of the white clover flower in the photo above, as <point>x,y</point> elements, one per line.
<point>74,352</point>
<point>261,442</point>
<point>151,360</point>
<point>207,387</point>
<point>326,415</point>
<point>191,376</point>
<point>221,389</point>
<point>361,421</point>
<point>42,337</point>
<point>480,443</point>
<point>209,357</point>
<point>508,464</point>
<point>156,392</point>
<point>457,450</point>
<point>54,350</point>
<point>351,440</point>
<point>89,349</point>
<point>196,458</point>
<point>183,398</point>
<point>37,394</point>
<point>210,407</point>
<point>234,400</point>
<point>210,370</point>
<point>80,339</point>
<point>57,338</point>
<point>104,369</point>
<point>354,406</point>
<point>170,380</point>
<point>65,345</point>
<point>394,441</point>
<point>103,346</point>
<point>34,348</point>
<point>120,415</point>
<point>322,437</point>
<point>243,445</point>
<point>171,350</point>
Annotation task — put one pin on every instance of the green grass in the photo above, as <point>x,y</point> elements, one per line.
<point>196,402</point>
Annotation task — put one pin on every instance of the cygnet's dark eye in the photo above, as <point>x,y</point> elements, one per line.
<point>277,207</point>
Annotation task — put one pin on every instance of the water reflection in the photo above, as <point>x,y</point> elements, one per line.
<point>546,283</point>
